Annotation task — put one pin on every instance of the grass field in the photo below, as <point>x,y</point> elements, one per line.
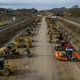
<point>76,19</point>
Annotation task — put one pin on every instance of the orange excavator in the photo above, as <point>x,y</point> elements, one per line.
<point>68,55</point>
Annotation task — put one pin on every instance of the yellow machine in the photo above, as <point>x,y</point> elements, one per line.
<point>19,42</point>
<point>8,52</point>
<point>6,68</point>
<point>22,42</point>
<point>29,41</point>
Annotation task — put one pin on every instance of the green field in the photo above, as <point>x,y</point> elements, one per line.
<point>76,19</point>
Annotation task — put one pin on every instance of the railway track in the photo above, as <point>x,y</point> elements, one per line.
<point>7,33</point>
<point>11,25</point>
<point>21,62</point>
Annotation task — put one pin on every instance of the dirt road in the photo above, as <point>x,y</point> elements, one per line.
<point>43,63</point>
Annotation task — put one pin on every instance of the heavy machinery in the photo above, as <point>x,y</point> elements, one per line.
<point>68,55</point>
<point>19,42</point>
<point>51,33</point>
<point>9,52</point>
<point>22,42</point>
<point>6,68</point>
<point>62,45</point>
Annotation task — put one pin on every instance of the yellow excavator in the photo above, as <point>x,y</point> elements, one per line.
<point>6,68</point>
<point>9,52</point>
<point>22,42</point>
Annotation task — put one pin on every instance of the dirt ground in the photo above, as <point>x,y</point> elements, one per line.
<point>43,65</point>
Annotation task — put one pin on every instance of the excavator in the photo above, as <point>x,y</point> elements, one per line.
<point>6,68</point>
<point>22,42</point>
<point>62,45</point>
<point>68,55</point>
<point>9,52</point>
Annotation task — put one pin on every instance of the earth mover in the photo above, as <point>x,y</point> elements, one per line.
<point>6,68</point>
<point>68,55</point>
<point>22,42</point>
<point>9,52</point>
<point>62,45</point>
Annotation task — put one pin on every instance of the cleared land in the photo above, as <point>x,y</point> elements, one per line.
<point>44,65</point>
<point>75,19</point>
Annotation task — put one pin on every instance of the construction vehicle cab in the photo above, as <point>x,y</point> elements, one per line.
<point>6,68</point>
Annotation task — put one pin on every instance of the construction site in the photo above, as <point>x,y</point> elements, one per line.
<point>39,45</point>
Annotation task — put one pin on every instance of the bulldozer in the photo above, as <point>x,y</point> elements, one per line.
<point>6,68</point>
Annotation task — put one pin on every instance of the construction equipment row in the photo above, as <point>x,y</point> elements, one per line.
<point>64,50</point>
<point>10,51</point>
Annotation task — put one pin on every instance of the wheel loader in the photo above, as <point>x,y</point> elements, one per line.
<point>6,68</point>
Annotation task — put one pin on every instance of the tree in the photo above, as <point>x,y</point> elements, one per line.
<point>75,6</point>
